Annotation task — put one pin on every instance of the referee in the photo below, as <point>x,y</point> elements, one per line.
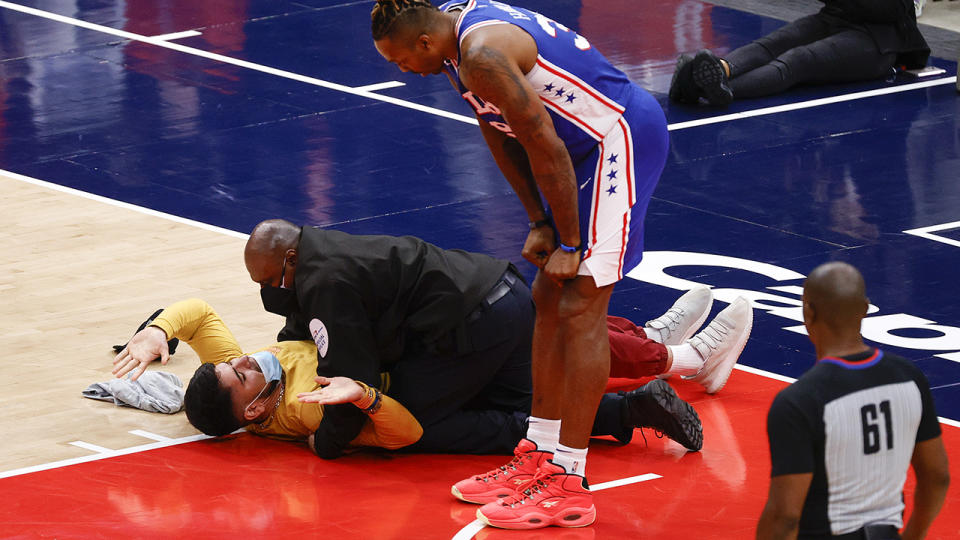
<point>842,436</point>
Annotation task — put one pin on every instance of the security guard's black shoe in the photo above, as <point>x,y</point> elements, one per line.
<point>655,405</point>
<point>171,344</point>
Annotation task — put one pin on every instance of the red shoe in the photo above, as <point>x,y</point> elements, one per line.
<point>504,480</point>
<point>553,497</point>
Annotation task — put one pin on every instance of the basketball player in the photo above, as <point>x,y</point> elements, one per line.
<point>843,435</point>
<point>583,148</point>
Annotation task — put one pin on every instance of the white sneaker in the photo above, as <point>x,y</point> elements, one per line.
<point>684,317</point>
<point>721,343</point>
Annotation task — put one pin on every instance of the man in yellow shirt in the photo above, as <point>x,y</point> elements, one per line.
<point>233,383</point>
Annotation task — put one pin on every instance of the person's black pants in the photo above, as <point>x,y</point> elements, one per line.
<point>475,399</point>
<point>816,49</point>
<point>474,394</point>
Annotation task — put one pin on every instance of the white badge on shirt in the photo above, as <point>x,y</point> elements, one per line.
<point>320,337</point>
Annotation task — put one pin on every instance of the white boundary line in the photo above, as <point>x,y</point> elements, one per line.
<point>811,103</point>
<point>469,530</point>
<point>764,373</point>
<point>925,232</point>
<point>239,63</point>
<point>103,455</point>
<point>380,86</point>
<point>367,91</point>
<point>624,481</point>
<point>148,435</point>
<point>121,204</point>
<point>91,447</point>
<point>784,378</point>
<point>178,35</point>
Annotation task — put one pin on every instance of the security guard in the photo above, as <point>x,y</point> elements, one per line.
<point>452,330</point>
<point>368,301</point>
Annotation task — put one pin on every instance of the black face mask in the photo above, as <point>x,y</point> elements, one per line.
<point>280,300</point>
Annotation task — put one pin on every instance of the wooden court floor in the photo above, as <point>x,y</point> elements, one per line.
<point>78,468</point>
<point>121,99</point>
<point>78,275</point>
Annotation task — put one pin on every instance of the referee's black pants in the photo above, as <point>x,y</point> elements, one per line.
<point>816,49</point>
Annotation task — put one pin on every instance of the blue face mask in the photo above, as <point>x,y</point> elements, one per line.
<point>269,365</point>
<point>271,369</point>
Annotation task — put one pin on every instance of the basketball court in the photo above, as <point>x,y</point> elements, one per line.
<point>141,141</point>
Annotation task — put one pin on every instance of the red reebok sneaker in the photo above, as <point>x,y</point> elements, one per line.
<point>553,497</point>
<point>504,480</point>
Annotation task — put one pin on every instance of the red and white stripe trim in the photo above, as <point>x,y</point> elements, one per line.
<point>576,81</point>
<point>628,151</point>
<point>470,5</point>
<point>595,205</point>
<point>572,117</point>
<point>575,101</point>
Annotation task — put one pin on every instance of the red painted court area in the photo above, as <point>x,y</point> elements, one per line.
<point>257,488</point>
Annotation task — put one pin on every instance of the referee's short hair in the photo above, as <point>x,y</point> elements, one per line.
<point>209,407</point>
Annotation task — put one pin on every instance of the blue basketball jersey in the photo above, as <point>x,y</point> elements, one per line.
<point>583,93</point>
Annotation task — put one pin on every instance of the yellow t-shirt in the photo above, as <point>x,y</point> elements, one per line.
<point>196,323</point>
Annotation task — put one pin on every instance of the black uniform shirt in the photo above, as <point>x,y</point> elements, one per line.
<point>376,295</point>
<point>364,300</point>
<point>852,422</point>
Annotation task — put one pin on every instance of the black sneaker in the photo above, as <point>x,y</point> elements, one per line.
<point>655,405</point>
<point>171,345</point>
<point>682,87</point>
<point>709,75</point>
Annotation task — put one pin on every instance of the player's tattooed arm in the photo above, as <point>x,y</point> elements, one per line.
<point>491,73</point>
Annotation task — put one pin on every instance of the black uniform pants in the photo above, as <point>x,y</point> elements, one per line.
<point>472,390</point>
<point>816,49</point>
<point>474,395</point>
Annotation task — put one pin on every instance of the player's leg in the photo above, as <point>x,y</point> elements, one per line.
<point>559,494</point>
<point>611,206</point>
<point>637,352</point>
<point>543,429</point>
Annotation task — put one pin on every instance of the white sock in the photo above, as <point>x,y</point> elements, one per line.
<point>573,460</point>
<point>653,333</point>
<point>545,433</point>
<point>686,360</point>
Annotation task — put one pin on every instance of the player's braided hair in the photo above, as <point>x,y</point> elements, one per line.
<point>385,14</point>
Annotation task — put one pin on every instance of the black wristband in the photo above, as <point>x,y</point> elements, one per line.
<point>571,249</point>
<point>540,223</point>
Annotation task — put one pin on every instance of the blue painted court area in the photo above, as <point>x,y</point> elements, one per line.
<point>230,145</point>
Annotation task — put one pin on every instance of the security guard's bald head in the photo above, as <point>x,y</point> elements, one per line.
<point>271,243</point>
<point>272,237</point>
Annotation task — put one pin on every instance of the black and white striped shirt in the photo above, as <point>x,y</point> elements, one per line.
<point>853,423</point>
